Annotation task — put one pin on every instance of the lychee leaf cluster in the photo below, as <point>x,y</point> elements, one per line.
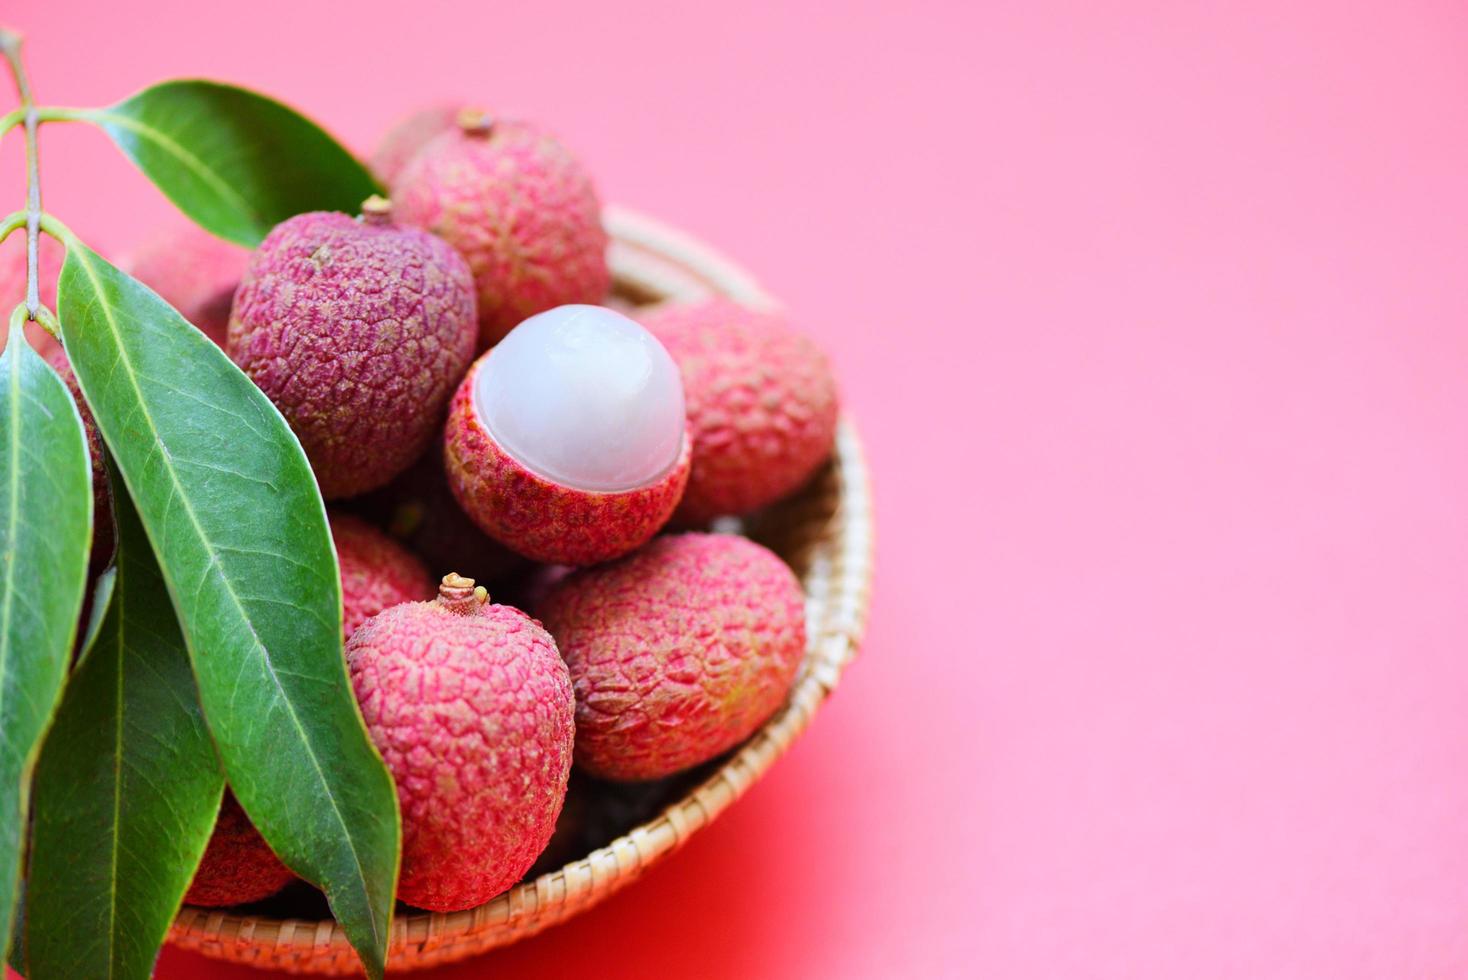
<point>234,519</point>
<point>234,515</point>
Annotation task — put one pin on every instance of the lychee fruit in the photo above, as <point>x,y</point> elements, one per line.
<point>358,331</point>
<point>102,527</point>
<point>677,652</point>
<point>50,254</point>
<point>565,442</point>
<point>762,404</point>
<point>195,272</point>
<point>377,572</point>
<point>238,866</point>
<point>419,511</point>
<point>408,136</point>
<point>520,209</point>
<point>471,707</point>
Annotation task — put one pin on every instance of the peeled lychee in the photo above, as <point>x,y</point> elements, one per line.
<point>50,253</point>
<point>102,527</point>
<point>418,510</point>
<point>409,136</point>
<point>471,707</point>
<point>195,273</point>
<point>238,866</point>
<point>377,572</point>
<point>358,332</point>
<point>677,652</point>
<point>566,441</point>
<point>762,404</point>
<point>519,208</point>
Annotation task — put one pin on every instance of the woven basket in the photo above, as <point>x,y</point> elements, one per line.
<point>824,533</point>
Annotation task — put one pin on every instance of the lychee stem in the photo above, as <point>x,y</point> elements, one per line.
<point>475,122</point>
<point>10,47</point>
<point>377,211</point>
<point>460,595</point>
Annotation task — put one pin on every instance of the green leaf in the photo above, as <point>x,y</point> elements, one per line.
<point>235,161</point>
<point>234,516</point>
<point>127,787</point>
<point>45,533</point>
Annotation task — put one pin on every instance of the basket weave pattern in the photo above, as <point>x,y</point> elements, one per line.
<point>824,533</point>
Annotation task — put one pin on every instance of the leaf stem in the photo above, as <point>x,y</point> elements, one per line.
<point>44,317</point>
<point>48,322</point>
<point>12,221</point>
<point>52,226</point>
<point>10,45</point>
<point>10,120</point>
<point>61,113</point>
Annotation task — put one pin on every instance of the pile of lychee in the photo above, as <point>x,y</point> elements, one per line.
<point>475,417</point>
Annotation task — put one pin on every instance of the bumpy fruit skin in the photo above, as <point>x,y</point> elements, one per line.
<point>102,527</point>
<point>471,707</point>
<point>536,517</point>
<point>677,653</point>
<point>195,273</point>
<point>13,282</point>
<point>377,572</point>
<point>357,332</point>
<point>419,511</point>
<point>238,866</point>
<point>520,209</point>
<point>761,399</point>
<point>408,136</point>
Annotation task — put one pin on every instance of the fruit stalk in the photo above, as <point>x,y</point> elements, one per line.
<point>460,595</point>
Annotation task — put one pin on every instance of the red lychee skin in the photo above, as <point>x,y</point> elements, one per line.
<point>357,332</point>
<point>536,517</point>
<point>761,400</point>
<point>471,707</point>
<point>51,254</point>
<point>409,135</point>
<point>238,866</point>
<point>102,527</point>
<point>377,572</point>
<point>520,209</point>
<point>195,273</point>
<point>677,652</point>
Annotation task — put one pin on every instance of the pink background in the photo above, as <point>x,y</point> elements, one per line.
<point>1155,320</point>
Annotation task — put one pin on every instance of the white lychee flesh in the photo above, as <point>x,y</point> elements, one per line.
<point>586,398</point>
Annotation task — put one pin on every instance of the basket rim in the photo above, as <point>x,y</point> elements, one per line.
<point>422,939</point>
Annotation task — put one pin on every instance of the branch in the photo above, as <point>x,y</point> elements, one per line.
<point>10,45</point>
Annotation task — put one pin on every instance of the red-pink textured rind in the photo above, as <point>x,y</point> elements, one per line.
<point>762,404</point>
<point>195,273</point>
<point>357,332</point>
<point>540,519</point>
<point>13,284</point>
<point>523,212</point>
<point>238,866</point>
<point>409,135</point>
<point>377,572</point>
<point>474,716</point>
<point>677,652</point>
<point>102,527</point>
